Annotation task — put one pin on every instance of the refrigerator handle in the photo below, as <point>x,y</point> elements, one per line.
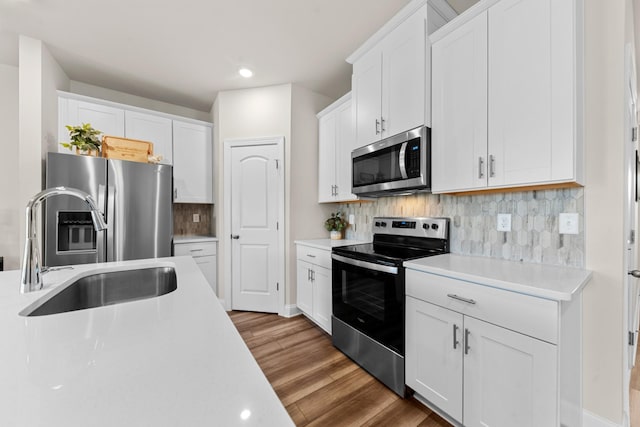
<point>100,235</point>
<point>111,229</point>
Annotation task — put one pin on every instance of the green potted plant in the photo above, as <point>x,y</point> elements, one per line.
<point>84,139</point>
<point>335,224</point>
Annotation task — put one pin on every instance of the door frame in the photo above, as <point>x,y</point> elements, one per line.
<point>230,144</point>
<point>630,95</point>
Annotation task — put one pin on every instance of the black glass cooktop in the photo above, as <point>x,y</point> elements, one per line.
<point>386,253</point>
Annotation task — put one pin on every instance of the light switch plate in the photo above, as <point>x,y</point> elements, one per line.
<point>504,222</point>
<point>196,217</point>
<point>568,223</point>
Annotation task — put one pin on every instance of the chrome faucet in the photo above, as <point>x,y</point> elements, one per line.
<point>31,273</point>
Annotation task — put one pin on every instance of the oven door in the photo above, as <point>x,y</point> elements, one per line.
<point>370,298</point>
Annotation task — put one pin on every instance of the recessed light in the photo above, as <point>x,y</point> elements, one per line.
<point>245,72</point>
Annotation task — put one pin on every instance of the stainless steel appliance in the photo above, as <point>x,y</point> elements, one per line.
<point>368,284</point>
<point>135,198</point>
<point>399,164</point>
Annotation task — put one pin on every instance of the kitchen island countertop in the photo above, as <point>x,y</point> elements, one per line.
<point>171,360</point>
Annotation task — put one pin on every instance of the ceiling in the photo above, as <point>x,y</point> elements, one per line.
<point>184,52</point>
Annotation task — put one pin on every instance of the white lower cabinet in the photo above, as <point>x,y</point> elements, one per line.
<point>467,355</point>
<point>204,254</point>
<point>314,285</point>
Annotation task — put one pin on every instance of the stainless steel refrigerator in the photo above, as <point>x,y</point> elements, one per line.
<point>135,198</point>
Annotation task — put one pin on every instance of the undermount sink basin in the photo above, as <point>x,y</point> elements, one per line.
<point>109,288</point>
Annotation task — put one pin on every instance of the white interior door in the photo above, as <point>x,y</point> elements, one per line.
<point>255,202</point>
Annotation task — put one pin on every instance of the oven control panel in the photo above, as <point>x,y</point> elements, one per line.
<point>437,228</point>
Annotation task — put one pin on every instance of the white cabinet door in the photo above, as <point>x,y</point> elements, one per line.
<point>108,120</point>
<point>322,297</point>
<point>192,163</point>
<point>327,158</point>
<point>345,144</point>
<point>304,290</point>
<point>403,75</point>
<point>207,265</point>
<point>434,355</point>
<point>531,91</point>
<point>152,128</point>
<point>510,379</point>
<point>366,85</point>
<point>459,110</point>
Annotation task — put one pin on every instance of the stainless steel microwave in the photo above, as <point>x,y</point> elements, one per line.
<point>396,165</point>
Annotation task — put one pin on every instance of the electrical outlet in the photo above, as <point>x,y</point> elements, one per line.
<point>504,222</point>
<point>196,217</point>
<point>568,223</point>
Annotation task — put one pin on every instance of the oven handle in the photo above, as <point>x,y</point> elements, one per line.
<point>365,264</point>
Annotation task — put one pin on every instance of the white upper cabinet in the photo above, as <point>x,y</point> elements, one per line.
<point>335,142</point>
<point>391,76</point>
<point>152,128</point>
<point>459,116</point>
<point>185,144</point>
<point>192,163</point>
<point>389,82</point>
<point>107,119</point>
<point>522,98</point>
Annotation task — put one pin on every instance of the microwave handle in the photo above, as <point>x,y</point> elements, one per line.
<point>402,160</point>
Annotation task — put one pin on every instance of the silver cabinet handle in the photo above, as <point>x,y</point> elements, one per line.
<point>466,341</point>
<point>308,275</point>
<point>336,187</point>
<point>635,273</point>
<point>377,127</point>
<point>196,250</point>
<point>456,297</point>
<point>382,121</point>
<point>311,256</point>
<point>313,276</point>
<point>235,236</point>
<point>455,336</point>
<point>492,166</point>
<point>480,167</point>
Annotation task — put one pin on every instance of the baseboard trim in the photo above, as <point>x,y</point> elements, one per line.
<point>291,310</point>
<point>592,420</point>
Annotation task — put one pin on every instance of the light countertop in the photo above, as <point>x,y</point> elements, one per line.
<point>541,280</point>
<point>172,360</point>
<point>327,244</point>
<point>191,238</point>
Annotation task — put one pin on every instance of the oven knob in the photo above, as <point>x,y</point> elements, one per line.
<point>434,226</point>
<point>383,224</point>
<point>425,226</point>
<point>377,223</point>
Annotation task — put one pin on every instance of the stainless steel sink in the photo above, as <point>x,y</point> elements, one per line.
<point>109,288</point>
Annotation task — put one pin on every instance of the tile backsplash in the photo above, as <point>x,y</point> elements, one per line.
<point>183,219</point>
<point>534,235</point>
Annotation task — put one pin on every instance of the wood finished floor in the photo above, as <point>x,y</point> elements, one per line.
<point>318,384</point>
<point>634,393</point>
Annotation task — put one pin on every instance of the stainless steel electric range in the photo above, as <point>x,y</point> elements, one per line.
<point>368,283</point>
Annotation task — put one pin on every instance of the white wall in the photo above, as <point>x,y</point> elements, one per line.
<point>39,78</point>
<point>136,101</point>
<point>307,215</point>
<point>604,97</point>
<point>9,214</point>
<point>247,113</point>
<point>284,110</point>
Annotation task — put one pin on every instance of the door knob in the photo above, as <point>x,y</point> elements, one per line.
<point>635,273</point>
<point>235,236</point>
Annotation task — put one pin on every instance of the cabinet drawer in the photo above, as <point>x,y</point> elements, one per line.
<point>194,249</point>
<point>536,317</point>
<point>315,256</point>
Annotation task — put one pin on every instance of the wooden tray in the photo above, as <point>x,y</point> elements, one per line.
<point>114,147</point>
